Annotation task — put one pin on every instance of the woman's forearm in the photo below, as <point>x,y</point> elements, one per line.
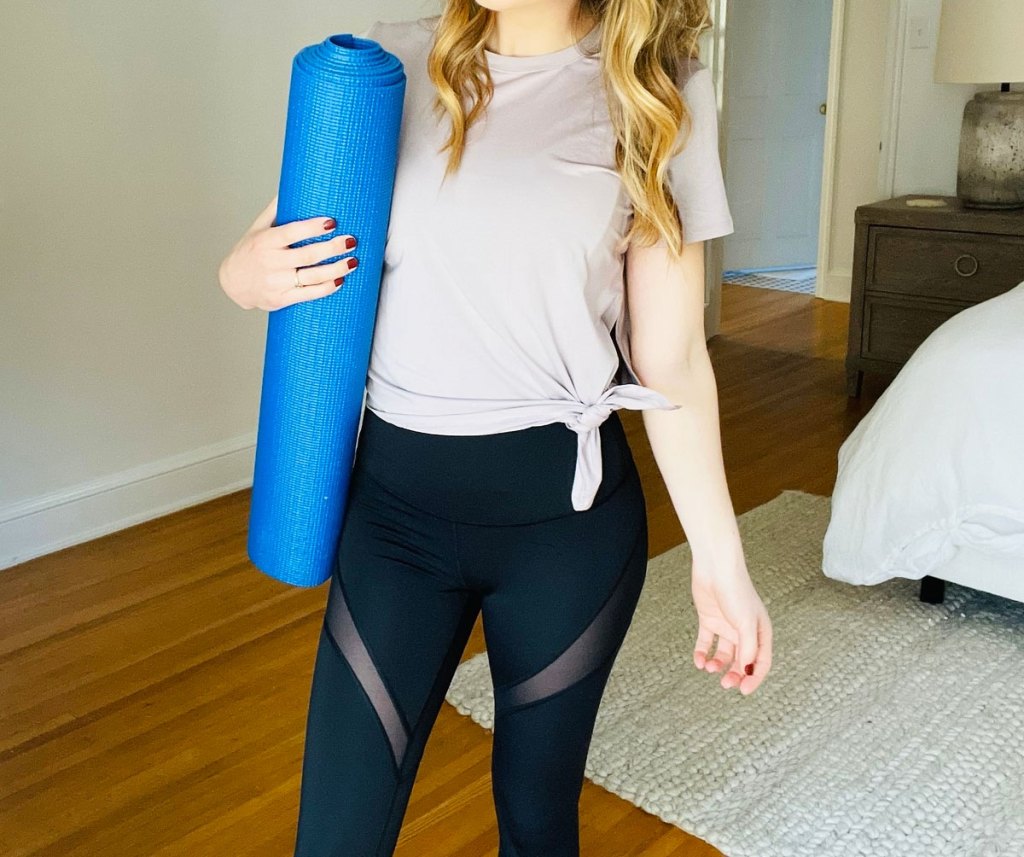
<point>687,447</point>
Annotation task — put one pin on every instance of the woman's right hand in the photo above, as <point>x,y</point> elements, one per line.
<point>259,273</point>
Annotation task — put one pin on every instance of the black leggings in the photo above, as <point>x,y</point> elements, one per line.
<point>438,528</point>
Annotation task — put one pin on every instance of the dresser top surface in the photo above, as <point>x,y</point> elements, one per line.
<point>940,212</point>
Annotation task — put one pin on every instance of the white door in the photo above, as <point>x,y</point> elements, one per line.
<point>775,85</point>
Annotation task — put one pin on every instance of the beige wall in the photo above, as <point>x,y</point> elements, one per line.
<point>898,130</point>
<point>860,111</point>
<point>926,116</point>
<point>137,142</point>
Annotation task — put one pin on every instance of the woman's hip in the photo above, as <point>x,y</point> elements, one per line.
<point>514,477</point>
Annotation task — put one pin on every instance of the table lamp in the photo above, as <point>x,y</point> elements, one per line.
<point>982,41</point>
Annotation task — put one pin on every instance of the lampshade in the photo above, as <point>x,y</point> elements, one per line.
<point>980,41</point>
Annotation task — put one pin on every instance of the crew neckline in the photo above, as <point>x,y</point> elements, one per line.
<point>552,59</point>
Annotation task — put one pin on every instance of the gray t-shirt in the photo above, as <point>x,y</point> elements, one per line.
<point>502,298</point>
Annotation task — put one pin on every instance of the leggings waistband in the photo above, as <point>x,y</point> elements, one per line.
<point>514,477</point>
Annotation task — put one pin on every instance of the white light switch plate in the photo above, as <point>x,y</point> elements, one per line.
<point>919,32</point>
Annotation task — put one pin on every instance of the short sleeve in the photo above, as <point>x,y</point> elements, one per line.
<point>695,174</point>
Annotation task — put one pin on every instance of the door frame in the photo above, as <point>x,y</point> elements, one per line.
<point>715,59</point>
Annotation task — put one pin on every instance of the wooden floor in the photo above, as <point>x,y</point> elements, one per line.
<point>153,684</point>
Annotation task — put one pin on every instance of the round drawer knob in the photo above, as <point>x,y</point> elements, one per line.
<point>966,265</point>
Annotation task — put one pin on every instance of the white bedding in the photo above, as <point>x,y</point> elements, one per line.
<point>936,467</point>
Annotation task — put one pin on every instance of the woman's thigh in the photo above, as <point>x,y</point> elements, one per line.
<point>559,599</point>
<point>395,625</point>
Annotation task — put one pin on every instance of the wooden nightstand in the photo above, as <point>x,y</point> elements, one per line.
<point>913,268</point>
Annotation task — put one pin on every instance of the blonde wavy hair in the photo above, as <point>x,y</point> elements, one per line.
<point>643,43</point>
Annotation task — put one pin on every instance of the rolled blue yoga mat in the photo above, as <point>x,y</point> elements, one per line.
<point>340,156</point>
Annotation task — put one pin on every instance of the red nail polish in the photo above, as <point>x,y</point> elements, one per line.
<point>749,669</point>
<point>350,243</point>
<point>339,281</point>
<point>353,263</point>
<point>329,224</point>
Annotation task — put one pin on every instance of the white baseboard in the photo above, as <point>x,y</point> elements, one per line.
<point>835,286</point>
<point>83,512</point>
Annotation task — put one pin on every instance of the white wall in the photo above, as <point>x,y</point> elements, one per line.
<point>925,116</point>
<point>137,142</point>
<point>899,131</point>
<point>858,111</point>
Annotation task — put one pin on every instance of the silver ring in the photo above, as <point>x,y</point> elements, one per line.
<point>298,285</point>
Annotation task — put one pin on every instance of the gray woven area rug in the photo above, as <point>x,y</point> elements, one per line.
<point>886,728</point>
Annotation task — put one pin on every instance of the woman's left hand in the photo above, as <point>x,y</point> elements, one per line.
<point>728,606</point>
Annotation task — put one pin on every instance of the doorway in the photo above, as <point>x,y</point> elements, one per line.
<point>776,67</point>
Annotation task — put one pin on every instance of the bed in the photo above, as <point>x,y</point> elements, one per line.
<point>930,483</point>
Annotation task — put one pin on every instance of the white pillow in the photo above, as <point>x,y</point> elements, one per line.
<point>938,462</point>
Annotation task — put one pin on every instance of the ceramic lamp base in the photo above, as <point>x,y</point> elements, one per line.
<point>990,172</point>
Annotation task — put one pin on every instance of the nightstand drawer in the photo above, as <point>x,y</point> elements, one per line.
<point>936,263</point>
<point>894,327</point>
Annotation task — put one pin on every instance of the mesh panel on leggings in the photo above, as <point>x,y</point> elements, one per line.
<point>585,653</point>
<point>345,634</point>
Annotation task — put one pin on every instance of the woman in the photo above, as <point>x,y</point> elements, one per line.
<point>544,267</point>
